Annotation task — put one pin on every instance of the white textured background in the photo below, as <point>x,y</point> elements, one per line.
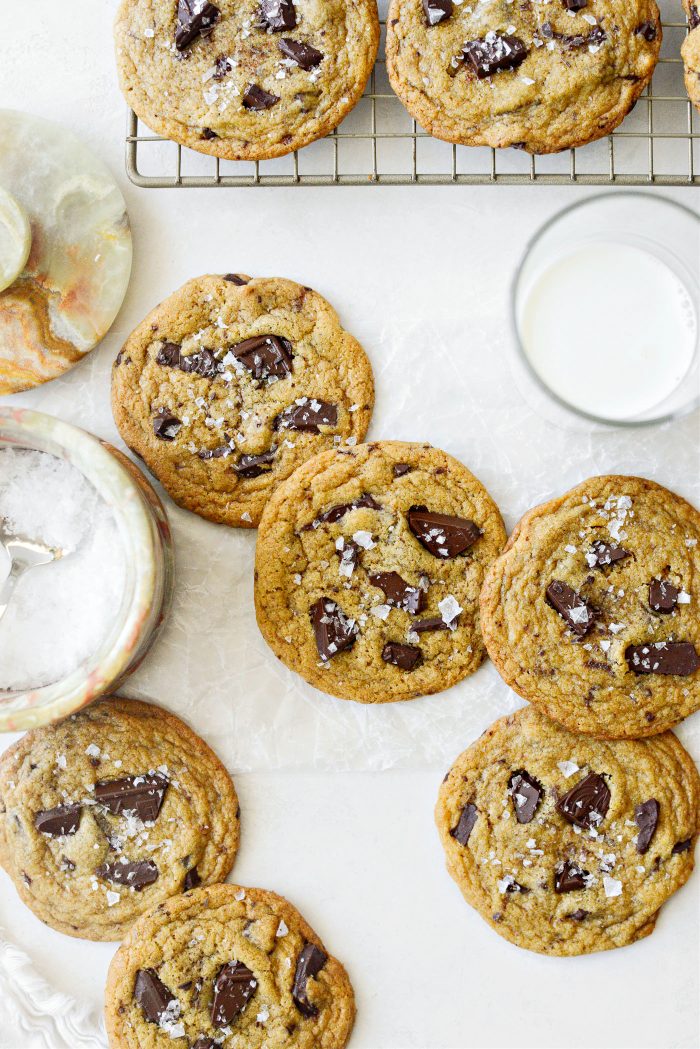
<point>421,277</point>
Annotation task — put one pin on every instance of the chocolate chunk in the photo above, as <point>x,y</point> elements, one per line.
<point>526,793</point>
<point>663,596</point>
<point>576,612</point>
<point>647,30</point>
<point>568,877</point>
<point>207,133</point>
<point>202,363</point>
<point>221,451</point>
<point>399,593</point>
<point>307,414</point>
<point>194,18</point>
<point>602,554</point>
<point>575,5</point>
<point>265,356</point>
<point>236,278</point>
<point>140,794</point>
<point>423,626</point>
<point>406,657</point>
<point>663,657</point>
<point>340,510</point>
<point>309,964</point>
<point>441,534</point>
<point>305,56</point>
<point>515,886</point>
<point>349,554</point>
<point>578,915</point>
<point>586,804</point>
<point>401,469</point>
<point>58,822</point>
<point>278,14</point>
<point>437,11</point>
<point>495,53</point>
<point>333,630</point>
<point>595,38</point>
<point>646,817</point>
<point>222,67</point>
<point>694,16</point>
<point>166,426</point>
<point>254,465</point>
<point>462,832</point>
<point>234,986</point>
<point>204,1042</point>
<point>154,997</point>
<point>681,846</point>
<point>257,98</point>
<point>192,879</point>
<point>137,874</point>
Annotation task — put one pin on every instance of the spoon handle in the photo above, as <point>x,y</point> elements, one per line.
<point>7,588</point>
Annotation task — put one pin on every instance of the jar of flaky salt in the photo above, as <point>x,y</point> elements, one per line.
<point>77,624</point>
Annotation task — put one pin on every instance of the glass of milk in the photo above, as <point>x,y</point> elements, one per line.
<point>606,311</point>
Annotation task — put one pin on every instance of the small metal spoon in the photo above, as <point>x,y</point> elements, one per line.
<point>24,554</point>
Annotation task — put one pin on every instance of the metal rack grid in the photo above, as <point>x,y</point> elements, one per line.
<point>379,144</point>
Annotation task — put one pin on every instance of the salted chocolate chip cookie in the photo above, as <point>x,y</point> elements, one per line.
<point>690,52</point>
<point>227,966</point>
<point>245,79</point>
<point>566,844</point>
<point>109,813</point>
<point>591,613</point>
<point>369,563</point>
<point>541,76</point>
<point>231,383</point>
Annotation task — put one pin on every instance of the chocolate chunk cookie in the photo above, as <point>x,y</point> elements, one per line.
<point>542,76</point>
<point>227,966</point>
<point>369,564</point>
<point>591,613</point>
<point>109,813</point>
<point>565,844</point>
<point>231,383</point>
<point>245,79</point>
<point>690,52</point>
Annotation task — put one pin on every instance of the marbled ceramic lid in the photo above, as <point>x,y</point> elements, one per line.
<point>77,273</point>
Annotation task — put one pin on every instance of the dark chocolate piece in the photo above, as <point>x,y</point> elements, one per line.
<point>265,356</point>
<point>595,38</point>
<point>647,30</point>
<point>222,451</point>
<point>606,554</point>
<point>646,817</point>
<point>526,792</point>
<point>495,53</point>
<point>140,794</point>
<point>663,596</point>
<point>307,414</point>
<point>58,822</point>
<point>204,1042</point>
<point>154,997</point>
<point>333,630</point>
<point>278,15</point>
<point>254,465</point>
<point>305,56</point>
<point>578,915</point>
<point>568,877</point>
<point>681,846</point>
<point>166,426</point>
<point>423,626</point>
<point>309,964</point>
<point>586,804</point>
<point>399,593</point>
<point>192,879</point>
<point>234,986</point>
<point>237,279</point>
<point>406,657</point>
<point>401,469</point>
<point>461,833</point>
<point>258,99</point>
<point>437,11</point>
<point>575,5</point>
<point>442,535</point>
<point>676,658</point>
<point>340,510</point>
<point>137,874</point>
<point>194,18</point>
<point>576,613</point>
<point>202,363</point>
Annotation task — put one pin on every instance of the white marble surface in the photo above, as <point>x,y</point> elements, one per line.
<point>416,274</point>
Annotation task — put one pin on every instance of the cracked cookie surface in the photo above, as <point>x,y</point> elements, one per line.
<point>690,52</point>
<point>369,563</point>
<point>566,844</point>
<point>109,813</point>
<point>592,612</point>
<point>245,79</point>
<point>232,382</point>
<point>542,76</point>
<point>227,966</point>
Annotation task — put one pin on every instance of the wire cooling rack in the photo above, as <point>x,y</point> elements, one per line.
<point>379,144</point>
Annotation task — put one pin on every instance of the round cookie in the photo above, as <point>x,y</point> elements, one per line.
<point>565,844</point>
<point>368,567</point>
<point>591,613</point>
<point>111,812</point>
<point>245,79</point>
<point>690,52</point>
<point>227,966</point>
<point>231,383</point>
<point>542,77</point>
